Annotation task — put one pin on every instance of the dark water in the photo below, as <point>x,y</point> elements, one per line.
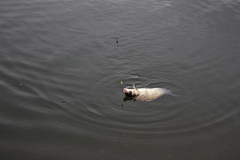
<point>61,69</point>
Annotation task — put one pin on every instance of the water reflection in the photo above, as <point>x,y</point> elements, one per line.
<point>125,99</point>
<point>122,107</point>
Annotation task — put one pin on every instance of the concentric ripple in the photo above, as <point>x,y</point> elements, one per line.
<point>105,110</point>
<point>33,111</point>
<point>105,99</point>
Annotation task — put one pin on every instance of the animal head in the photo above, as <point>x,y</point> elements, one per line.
<point>131,92</point>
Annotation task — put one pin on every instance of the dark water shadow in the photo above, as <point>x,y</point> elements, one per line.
<point>125,99</point>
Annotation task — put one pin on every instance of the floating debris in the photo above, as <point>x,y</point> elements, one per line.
<point>117,41</point>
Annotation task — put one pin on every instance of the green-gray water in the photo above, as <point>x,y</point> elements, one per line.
<point>60,74</point>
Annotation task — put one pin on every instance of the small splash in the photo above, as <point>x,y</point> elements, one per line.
<point>63,100</point>
<point>39,14</point>
<point>137,137</point>
<point>67,70</point>
<point>237,17</point>
<point>102,150</point>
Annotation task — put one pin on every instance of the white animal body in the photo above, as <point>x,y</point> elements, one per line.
<point>146,94</point>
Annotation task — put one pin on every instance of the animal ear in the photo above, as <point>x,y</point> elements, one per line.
<point>134,87</point>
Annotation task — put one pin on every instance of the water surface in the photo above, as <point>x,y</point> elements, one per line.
<point>61,69</point>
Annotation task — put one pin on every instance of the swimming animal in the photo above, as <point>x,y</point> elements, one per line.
<point>146,94</point>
